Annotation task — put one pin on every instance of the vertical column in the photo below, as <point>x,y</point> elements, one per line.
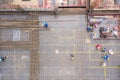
<point>78,2</point>
<point>82,2</point>
<point>88,4</point>
<point>45,3</point>
<point>119,22</point>
<point>40,2</point>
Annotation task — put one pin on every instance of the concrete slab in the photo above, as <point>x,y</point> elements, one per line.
<point>67,35</point>
<point>71,39</point>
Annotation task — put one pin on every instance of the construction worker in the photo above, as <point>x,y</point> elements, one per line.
<point>72,57</point>
<point>45,25</point>
<point>106,57</point>
<point>103,64</point>
<point>2,59</point>
<point>104,50</point>
<point>98,46</point>
<point>110,52</point>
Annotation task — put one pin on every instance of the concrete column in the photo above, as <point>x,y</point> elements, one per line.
<point>87,4</point>
<point>78,2</point>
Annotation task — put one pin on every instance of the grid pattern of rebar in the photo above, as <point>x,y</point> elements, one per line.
<point>34,54</point>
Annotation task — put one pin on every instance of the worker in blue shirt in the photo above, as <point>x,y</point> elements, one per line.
<point>45,25</point>
<point>2,59</point>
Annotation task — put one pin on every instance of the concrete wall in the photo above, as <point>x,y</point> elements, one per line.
<point>5,1</point>
<point>31,2</point>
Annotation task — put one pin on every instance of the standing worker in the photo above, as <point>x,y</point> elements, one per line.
<point>2,59</point>
<point>45,24</point>
<point>72,57</point>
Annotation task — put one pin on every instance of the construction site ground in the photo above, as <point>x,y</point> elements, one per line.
<point>35,54</point>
